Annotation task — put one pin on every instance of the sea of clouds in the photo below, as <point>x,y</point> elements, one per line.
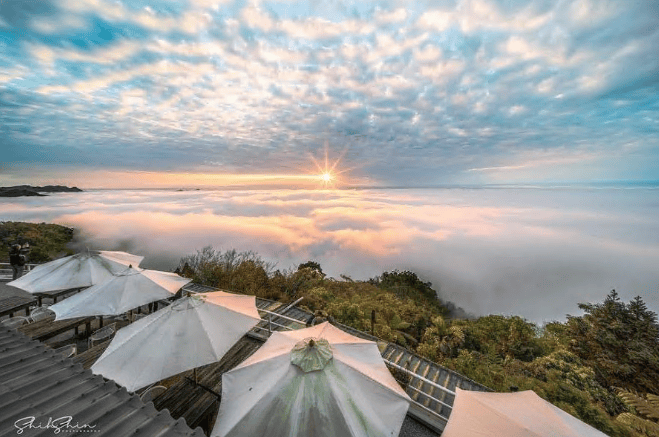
<point>526,251</point>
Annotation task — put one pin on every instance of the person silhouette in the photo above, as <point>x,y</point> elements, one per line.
<point>17,261</point>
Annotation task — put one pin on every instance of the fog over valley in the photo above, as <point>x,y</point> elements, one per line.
<point>526,251</point>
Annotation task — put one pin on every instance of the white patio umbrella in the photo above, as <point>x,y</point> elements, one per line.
<point>316,381</point>
<point>192,332</point>
<point>125,291</point>
<point>77,271</point>
<point>523,414</point>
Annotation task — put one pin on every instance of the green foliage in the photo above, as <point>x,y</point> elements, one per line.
<point>553,336</point>
<point>47,241</point>
<point>644,417</point>
<point>501,352</point>
<point>559,377</point>
<point>400,316</point>
<point>441,340</point>
<point>313,265</point>
<point>619,341</point>
<point>244,272</point>
<point>404,284</point>
<point>562,365</point>
<point>642,426</point>
<point>503,337</point>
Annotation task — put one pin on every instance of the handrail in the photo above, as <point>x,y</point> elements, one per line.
<point>271,313</point>
<point>269,328</point>
<point>29,265</point>
<point>416,375</point>
<point>423,393</point>
<point>434,413</point>
<point>291,305</point>
<point>6,270</point>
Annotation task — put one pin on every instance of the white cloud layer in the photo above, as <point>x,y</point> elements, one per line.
<point>536,253</point>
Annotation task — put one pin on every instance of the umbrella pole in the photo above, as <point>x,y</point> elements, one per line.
<point>195,375</point>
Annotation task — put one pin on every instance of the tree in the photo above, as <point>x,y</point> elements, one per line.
<point>441,339</point>
<point>407,284</point>
<point>313,265</point>
<point>504,337</point>
<point>223,269</point>
<point>619,341</point>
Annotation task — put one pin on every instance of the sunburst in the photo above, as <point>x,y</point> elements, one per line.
<point>328,172</point>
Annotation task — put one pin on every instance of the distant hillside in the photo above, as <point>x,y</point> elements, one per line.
<point>28,190</point>
<point>47,241</point>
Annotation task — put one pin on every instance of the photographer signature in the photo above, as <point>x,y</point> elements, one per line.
<point>60,424</point>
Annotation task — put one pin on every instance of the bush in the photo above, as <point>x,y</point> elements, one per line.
<point>47,241</point>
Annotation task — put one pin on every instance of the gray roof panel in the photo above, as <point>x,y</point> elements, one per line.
<point>37,382</point>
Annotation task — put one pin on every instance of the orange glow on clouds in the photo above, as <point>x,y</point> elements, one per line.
<point>223,180</point>
<point>90,179</point>
<point>483,248</point>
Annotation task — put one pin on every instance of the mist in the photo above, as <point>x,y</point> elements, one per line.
<point>525,251</point>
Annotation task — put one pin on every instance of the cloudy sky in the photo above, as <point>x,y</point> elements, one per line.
<point>394,92</point>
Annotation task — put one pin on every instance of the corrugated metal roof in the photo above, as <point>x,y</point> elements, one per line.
<point>36,382</point>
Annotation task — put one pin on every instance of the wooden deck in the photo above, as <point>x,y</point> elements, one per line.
<point>54,294</point>
<point>13,304</point>
<point>89,357</point>
<point>48,328</point>
<point>199,403</point>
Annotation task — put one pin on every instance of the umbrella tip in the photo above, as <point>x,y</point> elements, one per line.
<point>311,354</point>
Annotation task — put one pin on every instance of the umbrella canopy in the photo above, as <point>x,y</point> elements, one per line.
<point>77,271</point>
<point>317,381</point>
<point>523,414</point>
<point>192,332</point>
<point>129,289</point>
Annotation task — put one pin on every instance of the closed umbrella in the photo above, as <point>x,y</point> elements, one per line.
<point>77,271</point>
<point>192,332</point>
<point>125,291</point>
<point>522,414</point>
<point>316,381</point>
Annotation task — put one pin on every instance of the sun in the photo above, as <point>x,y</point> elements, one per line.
<point>326,177</point>
<point>327,173</point>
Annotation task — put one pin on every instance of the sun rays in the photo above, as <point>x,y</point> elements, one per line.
<point>327,171</point>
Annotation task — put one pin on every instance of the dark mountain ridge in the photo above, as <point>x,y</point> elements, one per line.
<point>28,190</point>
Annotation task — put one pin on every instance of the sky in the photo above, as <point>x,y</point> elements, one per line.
<point>528,252</point>
<point>149,93</point>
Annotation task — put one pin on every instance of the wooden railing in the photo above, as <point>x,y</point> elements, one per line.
<point>6,273</point>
